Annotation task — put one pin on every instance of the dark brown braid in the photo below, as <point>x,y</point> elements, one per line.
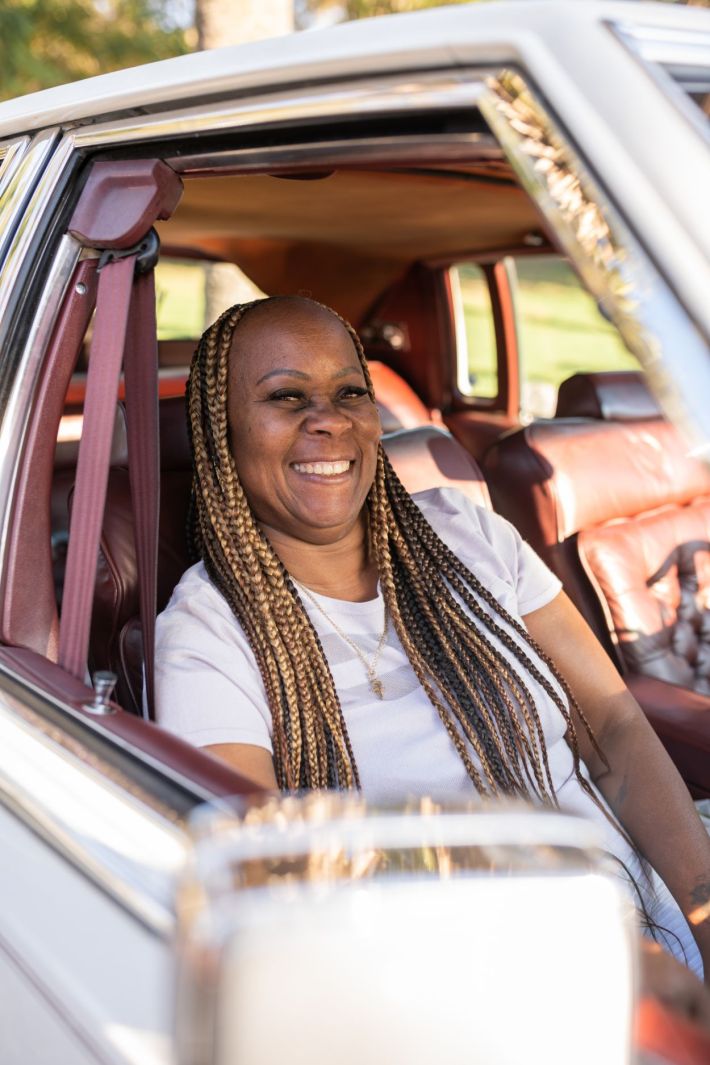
<point>442,614</point>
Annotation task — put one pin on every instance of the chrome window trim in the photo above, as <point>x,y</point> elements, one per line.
<point>666,45</point>
<point>23,163</point>
<point>15,418</point>
<point>658,51</point>
<point>463,381</point>
<point>452,147</point>
<point>63,796</point>
<point>380,96</point>
<point>608,256</point>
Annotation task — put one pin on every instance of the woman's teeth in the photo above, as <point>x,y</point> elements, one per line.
<point>323,469</point>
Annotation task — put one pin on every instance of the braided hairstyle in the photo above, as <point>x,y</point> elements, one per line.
<point>480,694</point>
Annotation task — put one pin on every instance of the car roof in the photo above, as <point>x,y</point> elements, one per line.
<point>442,36</point>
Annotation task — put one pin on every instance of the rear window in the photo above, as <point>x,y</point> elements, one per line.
<point>475,332</point>
<point>561,331</point>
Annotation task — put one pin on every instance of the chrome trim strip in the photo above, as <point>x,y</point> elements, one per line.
<point>463,380</point>
<point>101,829</point>
<point>666,45</point>
<point>672,348</point>
<point>446,147</point>
<point>19,178</point>
<point>25,373</point>
<point>427,92</point>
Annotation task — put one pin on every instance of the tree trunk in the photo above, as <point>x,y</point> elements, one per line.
<point>222,22</point>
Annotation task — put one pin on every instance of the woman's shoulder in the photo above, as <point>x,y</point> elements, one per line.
<point>453,514</point>
<point>194,600</point>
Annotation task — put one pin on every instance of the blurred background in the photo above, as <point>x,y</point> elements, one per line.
<point>49,42</point>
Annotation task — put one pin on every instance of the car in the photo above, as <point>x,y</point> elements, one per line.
<point>446,181</point>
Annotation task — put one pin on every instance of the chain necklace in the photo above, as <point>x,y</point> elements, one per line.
<point>376,686</point>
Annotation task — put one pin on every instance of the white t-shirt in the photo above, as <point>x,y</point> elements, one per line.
<point>209,689</point>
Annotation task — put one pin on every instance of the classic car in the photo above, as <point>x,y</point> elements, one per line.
<point>510,203</point>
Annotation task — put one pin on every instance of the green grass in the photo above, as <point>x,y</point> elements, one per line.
<point>180,300</point>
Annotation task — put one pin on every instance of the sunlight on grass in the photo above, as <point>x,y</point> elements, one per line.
<point>560,332</point>
<point>180,300</point>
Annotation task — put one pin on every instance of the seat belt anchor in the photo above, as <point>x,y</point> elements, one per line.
<point>146,252</point>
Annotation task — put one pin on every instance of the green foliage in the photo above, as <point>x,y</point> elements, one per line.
<point>367,8</point>
<point>354,9</point>
<point>49,42</point>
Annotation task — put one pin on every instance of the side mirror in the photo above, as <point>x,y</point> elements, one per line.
<point>316,930</point>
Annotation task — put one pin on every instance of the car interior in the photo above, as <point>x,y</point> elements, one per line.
<point>604,490</point>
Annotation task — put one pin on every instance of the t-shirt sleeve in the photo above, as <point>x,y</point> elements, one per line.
<point>208,688</point>
<point>534,583</point>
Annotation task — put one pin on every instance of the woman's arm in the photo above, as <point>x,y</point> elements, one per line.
<point>641,785</point>
<point>253,763</point>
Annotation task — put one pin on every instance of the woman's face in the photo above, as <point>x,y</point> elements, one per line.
<point>303,429</point>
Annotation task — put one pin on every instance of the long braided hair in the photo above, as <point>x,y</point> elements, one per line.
<point>480,694</point>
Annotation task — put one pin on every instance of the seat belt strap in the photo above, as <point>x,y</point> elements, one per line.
<point>141,373</point>
<point>113,302</point>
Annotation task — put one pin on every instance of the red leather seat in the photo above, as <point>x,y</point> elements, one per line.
<point>621,513</point>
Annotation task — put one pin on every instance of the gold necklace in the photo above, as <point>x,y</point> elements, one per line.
<point>376,686</point>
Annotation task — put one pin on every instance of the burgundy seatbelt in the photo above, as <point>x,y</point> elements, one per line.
<point>125,320</point>
<point>141,370</point>
<point>113,300</point>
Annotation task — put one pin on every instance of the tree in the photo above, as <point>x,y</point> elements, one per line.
<point>354,9</point>
<point>222,22</point>
<point>48,42</point>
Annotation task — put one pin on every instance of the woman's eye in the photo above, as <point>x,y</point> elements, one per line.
<point>353,391</point>
<point>288,394</point>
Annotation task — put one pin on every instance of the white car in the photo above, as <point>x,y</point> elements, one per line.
<point>403,170</point>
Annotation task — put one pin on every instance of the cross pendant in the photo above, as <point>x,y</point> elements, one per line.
<point>376,687</point>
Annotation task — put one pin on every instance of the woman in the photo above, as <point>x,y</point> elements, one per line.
<point>339,633</point>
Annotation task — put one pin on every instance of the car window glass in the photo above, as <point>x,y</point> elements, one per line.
<point>191,293</point>
<point>475,332</point>
<point>561,331</point>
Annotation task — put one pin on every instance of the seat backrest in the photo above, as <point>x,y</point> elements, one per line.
<point>621,512</point>
<point>425,457</point>
<point>617,395</point>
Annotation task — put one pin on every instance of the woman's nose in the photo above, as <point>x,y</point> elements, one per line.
<point>324,416</point>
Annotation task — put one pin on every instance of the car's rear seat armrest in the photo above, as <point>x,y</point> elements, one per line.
<point>681,718</point>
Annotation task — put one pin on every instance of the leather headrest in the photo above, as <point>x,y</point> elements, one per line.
<point>616,396</point>
<point>429,457</point>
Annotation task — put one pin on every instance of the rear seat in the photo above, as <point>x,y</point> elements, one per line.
<point>607,494</point>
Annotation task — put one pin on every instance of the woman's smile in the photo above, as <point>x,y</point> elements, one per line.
<point>326,469</point>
